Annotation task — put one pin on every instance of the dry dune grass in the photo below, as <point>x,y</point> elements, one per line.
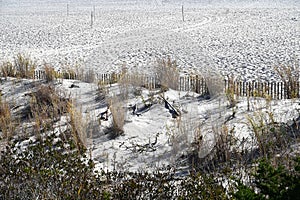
<point>77,126</point>
<point>6,122</point>
<point>117,109</point>
<point>289,75</point>
<point>168,74</point>
<point>21,67</point>
<point>214,82</point>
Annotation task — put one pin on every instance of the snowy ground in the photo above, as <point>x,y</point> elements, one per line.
<point>153,139</point>
<point>245,40</point>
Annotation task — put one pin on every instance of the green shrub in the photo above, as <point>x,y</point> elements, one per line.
<point>272,182</point>
<point>47,169</point>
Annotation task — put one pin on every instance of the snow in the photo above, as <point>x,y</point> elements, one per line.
<point>247,41</point>
<point>137,149</point>
<point>225,37</point>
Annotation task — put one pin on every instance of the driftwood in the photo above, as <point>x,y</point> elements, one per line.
<point>171,108</point>
<point>139,148</point>
<point>74,86</point>
<point>104,115</point>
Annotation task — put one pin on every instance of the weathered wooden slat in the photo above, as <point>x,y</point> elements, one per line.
<point>197,83</point>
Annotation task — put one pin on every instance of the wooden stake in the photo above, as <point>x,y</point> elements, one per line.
<point>91,19</point>
<point>67,9</point>
<point>94,12</point>
<point>182,13</point>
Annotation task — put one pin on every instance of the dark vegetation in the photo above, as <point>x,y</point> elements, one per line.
<point>55,169</point>
<point>54,165</point>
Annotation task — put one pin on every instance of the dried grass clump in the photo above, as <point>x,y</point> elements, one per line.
<point>24,67</point>
<point>46,106</point>
<point>289,75</point>
<point>6,122</point>
<point>117,109</point>
<point>231,94</point>
<point>7,70</point>
<point>50,73</point>
<point>215,84</point>
<point>115,78</point>
<point>48,101</point>
<point>69,74</point>
<point>77,127</point>
<point>216,157</point>
<point>167,73</point>
<point>21,67</point>
<point>102,91</point>
<point>135,79</point>
<point>89,76</point>
<point>180,137</point>
<point>225,140</point>
<point>271,137</point>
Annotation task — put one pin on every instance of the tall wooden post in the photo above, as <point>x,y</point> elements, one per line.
<point>94,12</point>
<point>91,19</point>
<point>182,12</point>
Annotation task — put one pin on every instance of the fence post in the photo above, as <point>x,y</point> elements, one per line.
<point>197,84</point>
<point>205,87</point>
<point>298,89</point>
<point>278,90</point>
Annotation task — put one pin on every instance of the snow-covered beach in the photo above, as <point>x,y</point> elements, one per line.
<point>159,99</point>
<point>246,40</point>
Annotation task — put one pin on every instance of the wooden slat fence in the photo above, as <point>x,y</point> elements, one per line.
<point>273,90</point>
<point>195,83</point>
